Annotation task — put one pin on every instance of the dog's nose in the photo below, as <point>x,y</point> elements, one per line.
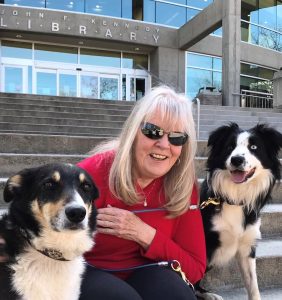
<point>75,214</point>
<point>237,161</point>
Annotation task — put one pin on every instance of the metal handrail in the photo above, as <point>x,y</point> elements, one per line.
<point>256,99</point>
<point>197,101</point>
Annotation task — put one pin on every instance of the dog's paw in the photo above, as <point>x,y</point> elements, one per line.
<point>208,296</point>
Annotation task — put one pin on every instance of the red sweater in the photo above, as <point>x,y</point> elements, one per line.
<point>180,238</point>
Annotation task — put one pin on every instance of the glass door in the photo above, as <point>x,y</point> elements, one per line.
<point>88,85</point>
<point>109,87</point>
<point>134,87</point>
<point>45,82</point>
<point>15,79</point>
<point>67,83</point>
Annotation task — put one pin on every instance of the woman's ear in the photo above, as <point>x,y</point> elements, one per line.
<point>12,188</point>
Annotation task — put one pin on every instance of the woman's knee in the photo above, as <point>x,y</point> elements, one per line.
<point>101,285</point>
<point>160,283</point>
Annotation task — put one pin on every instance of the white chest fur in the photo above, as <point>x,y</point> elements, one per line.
<point>234,238</point>
<point>38,277</point>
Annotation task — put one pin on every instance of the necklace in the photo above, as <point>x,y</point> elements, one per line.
<point>145,202</point>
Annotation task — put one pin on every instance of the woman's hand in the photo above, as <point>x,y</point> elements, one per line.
<point>124,224</point>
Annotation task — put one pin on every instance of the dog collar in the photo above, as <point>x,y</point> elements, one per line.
<point>52,253</point>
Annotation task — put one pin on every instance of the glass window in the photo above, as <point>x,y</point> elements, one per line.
<point>267,38</point>
<point>200,61</point>
<point>217,80</point>
<point>251,70</point>
<point>32,3</point>
<point>217,63</point>
<point>16,49</point>
<point>135,61</point>
<point>99,58</point>
<point>137,9</point>
<point>102,7</point>
<point>73,5</point>
<point>249,11</point>
<point>196,79</point>
<point>13,80</point>
<point>249,33</point>
<point>191,13</point>
<point>267,13</point>
<point>89,86</point>
<point>55,53</point>
<point>218,32</point>
<point>108,88</point>
<point>149,11</point>
<point>199,3</point>
<point>279,16</point>
<point>171,15</point>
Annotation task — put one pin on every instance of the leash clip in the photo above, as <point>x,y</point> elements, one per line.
<point>214,201</point>
<point>175,265</point>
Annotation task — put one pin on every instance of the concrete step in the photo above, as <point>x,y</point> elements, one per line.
<point>58,129</point>
<point>274,293</point>
<point>70,109</point>
<point>60,121</point>
<point>269,270</point>
<point>44,144</point>
<point>69,101</point>
<point>47,114</point>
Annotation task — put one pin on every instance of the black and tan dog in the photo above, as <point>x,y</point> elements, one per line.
<point>50,224</point>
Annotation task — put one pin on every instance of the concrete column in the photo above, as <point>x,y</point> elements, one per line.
<point>277,89</point>
<point>231,40</point>
<point>167,66</point>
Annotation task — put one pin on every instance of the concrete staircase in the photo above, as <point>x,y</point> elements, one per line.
<point>35,130</point>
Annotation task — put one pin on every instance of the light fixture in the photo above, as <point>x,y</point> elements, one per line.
<point>18,36</point>
<point>80,42</point>
<point>136,49</point>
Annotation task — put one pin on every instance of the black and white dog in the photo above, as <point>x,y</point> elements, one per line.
<point>242,168</point>
<point>50,224</point>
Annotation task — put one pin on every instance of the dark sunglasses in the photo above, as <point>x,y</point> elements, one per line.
<point>154,132</point>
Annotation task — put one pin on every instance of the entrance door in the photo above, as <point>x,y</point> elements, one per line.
<point>134,87</point>
<point>88,85</point>
<point>15,79</point>
<point>45,82</point>
<point>109,87</point>
<point>67,83</point>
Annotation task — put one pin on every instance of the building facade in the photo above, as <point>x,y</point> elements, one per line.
<point>118,49</point>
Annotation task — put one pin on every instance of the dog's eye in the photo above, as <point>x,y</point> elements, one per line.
<point>86,186</point>
<point>253,147</point>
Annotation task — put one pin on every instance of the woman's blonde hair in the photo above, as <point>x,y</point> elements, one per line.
<point>175,109</point>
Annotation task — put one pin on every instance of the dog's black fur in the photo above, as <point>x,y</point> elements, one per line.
<point>242,168</point>
<point>50,211</point>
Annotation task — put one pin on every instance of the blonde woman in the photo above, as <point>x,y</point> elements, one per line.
<point>147,209</point>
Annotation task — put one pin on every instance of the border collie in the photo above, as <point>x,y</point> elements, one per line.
<point>50,224</point>
<point>242,168</point>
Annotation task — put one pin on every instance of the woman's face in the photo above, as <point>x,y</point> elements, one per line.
<point>154,158</point>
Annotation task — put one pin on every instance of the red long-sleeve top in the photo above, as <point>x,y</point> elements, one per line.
<point>180,238</point>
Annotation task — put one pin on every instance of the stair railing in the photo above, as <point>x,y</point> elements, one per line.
<point>197,101</point>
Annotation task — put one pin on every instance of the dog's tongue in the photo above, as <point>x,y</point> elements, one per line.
<point>238,176</point>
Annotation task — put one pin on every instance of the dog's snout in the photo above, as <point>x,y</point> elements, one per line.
<point>237,160</point>
<point>75,214</point>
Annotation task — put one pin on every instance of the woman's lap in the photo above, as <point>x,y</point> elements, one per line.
<point>146,283</point>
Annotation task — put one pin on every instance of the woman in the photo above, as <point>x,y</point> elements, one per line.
<point>147,209</point>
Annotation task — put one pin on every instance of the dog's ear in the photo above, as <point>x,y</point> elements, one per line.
<point>270,134</point>
<point>12,188</point>
<point>219,135</point>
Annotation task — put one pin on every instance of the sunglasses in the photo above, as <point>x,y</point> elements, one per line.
<point>154,132</point>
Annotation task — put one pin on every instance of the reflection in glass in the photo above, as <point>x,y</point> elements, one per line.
<point>199,3</point>
<point>102,7</point>
<point>135,61</point>
<point>74,5</point>
<point>100,58</point>
<point>200,61</point>
<point>89,86</point>
<point>267,38</point>
<point>55,53</point>
<point>171,15</point>
<point>16,49</point>
<point>196,79</point>
<point>32,3</point>
<point>267,13</point>
<point>108,88</point>
<point>249,11</point>
<point>67,85</point>
<point>140,88</point>
<point>149,11</point>
<point>249,33</point>
<point>13,80</point>
<point>46,84</point>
